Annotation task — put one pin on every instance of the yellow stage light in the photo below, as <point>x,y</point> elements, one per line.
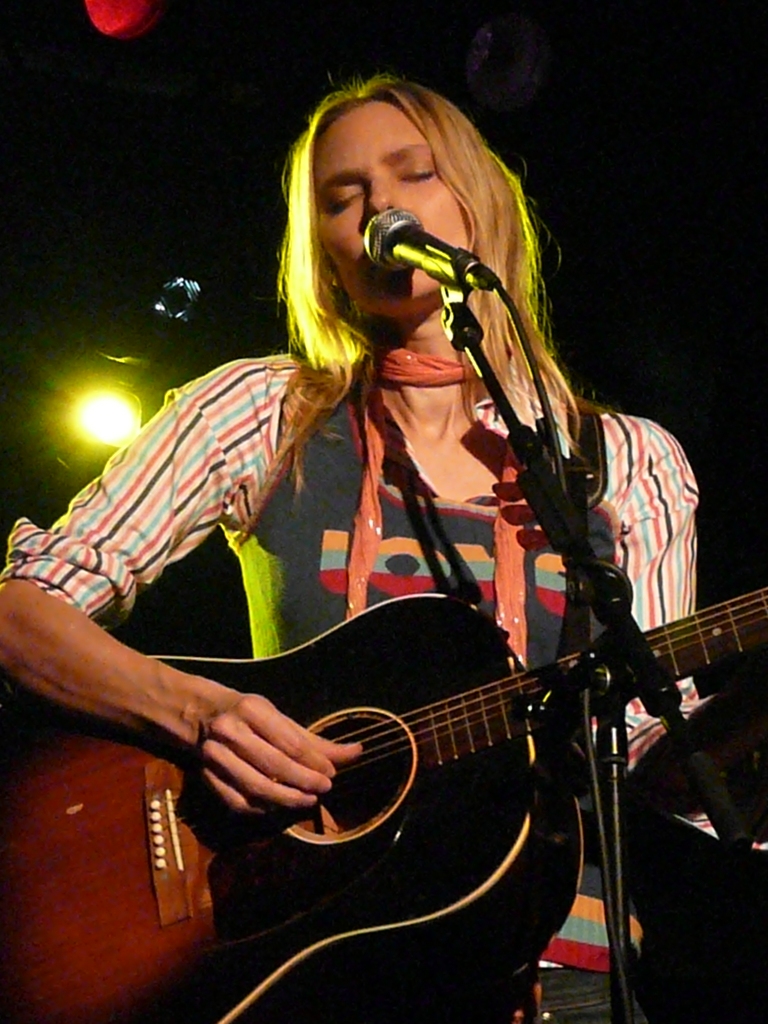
<point>112,417</point>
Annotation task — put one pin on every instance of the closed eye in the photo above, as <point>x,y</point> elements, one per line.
<point>419,176</point>
<point>336,204</point>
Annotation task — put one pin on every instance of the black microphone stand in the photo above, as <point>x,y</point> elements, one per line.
<point>621,665</point>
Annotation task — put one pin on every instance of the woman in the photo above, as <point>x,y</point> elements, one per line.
<point>374,390</point>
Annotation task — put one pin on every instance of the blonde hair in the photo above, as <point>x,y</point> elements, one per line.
<point>330,339</point>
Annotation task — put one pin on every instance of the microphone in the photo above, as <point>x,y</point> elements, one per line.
<point>396,239</point>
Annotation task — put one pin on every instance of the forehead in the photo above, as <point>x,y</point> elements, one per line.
<point>364,136</point>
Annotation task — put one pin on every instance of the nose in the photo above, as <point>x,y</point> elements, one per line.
<point>372,209</point>
<point>379,198</point>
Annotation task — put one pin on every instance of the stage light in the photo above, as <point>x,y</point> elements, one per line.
<point>178,299</point>
<point>125,19</point>
<point>111,416</point>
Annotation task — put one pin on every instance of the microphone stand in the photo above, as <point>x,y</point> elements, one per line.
<point>622,665</point>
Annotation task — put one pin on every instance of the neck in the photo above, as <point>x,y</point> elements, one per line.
<point>425,335</point>
<point>441,410</point>
<point>440,407</point>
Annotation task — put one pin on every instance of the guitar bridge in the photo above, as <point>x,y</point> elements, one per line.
<point>172,848</point>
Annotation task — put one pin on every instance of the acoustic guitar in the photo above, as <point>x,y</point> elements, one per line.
<point>449,853</point>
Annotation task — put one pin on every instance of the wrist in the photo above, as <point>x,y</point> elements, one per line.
<point>192,703</point>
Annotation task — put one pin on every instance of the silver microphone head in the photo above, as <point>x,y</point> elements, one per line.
<point>381,232</point>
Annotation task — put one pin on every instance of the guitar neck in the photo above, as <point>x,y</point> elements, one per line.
<point>484,717</point>
<point>710,636</point>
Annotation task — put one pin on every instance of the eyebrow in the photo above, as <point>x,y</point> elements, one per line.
<point>351,175</point>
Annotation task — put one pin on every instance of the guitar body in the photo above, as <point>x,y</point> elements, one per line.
<point>81,939</point>
<point>435,871</point>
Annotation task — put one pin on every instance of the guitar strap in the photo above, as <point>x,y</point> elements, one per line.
<point>585,477</point>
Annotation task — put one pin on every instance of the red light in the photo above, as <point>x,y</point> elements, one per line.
<point>125,19</point>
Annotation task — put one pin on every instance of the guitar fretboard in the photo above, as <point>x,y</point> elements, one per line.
<point>483,717</point>
<point>709,636</point>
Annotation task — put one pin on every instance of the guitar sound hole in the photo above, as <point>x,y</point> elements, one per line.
<point>367,792</point>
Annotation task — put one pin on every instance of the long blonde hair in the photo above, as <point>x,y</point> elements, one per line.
<point>330,339</point>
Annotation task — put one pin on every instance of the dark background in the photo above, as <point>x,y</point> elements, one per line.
<point>124,164</point>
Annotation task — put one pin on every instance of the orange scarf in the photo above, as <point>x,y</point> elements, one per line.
<point>400,366</point>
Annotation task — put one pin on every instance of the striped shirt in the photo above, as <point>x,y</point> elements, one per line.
<point>202,460</point>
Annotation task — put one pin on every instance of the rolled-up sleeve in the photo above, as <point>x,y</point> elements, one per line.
<point>198,463</point>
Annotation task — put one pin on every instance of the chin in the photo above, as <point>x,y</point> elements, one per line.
<point>394,293</point>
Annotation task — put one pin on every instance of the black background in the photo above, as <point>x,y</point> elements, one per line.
<point>123,164</point>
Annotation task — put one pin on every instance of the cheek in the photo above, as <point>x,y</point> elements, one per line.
<point>346,277</point>
<point>343,251</point>
<point>469,231</point>
<point>347,272</point>
<point>462,225</point>
<point>342,245</point>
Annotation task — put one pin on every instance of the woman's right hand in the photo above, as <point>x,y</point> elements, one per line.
<point>254,756</point>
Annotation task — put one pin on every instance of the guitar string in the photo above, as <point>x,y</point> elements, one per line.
<point>491,698</point>
<point>701,622</point>
<point>667,640</point>
<point>467,698</point>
